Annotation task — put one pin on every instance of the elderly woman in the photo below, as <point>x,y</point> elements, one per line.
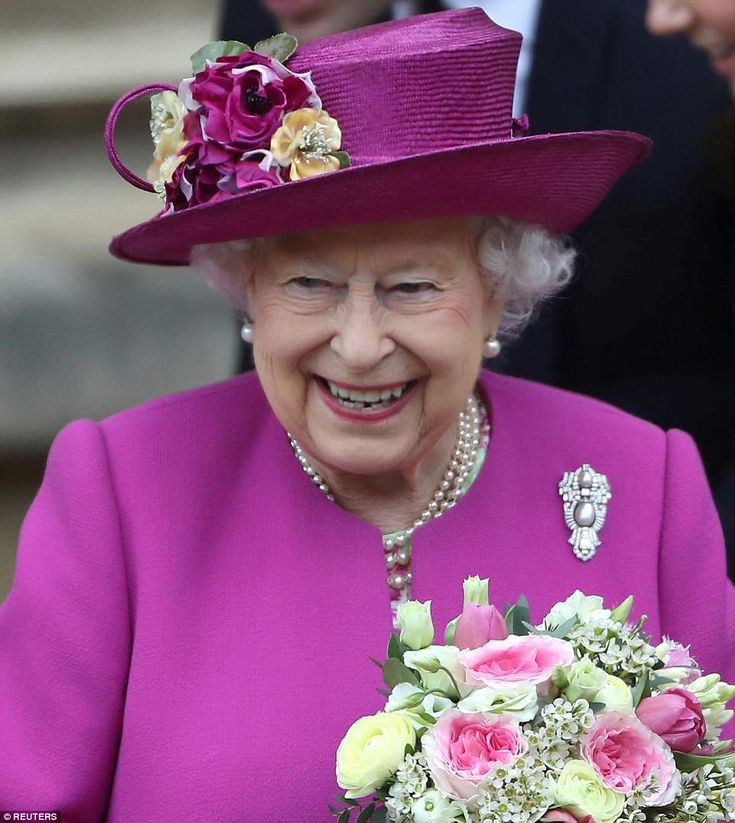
<point>202,580</point>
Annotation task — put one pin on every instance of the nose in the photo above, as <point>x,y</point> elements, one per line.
<point>359,339</point>
<point>666,17</point>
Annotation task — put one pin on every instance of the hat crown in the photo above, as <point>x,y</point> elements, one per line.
<point>424,84</point>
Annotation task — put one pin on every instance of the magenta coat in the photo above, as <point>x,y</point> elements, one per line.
<point>189,629</point>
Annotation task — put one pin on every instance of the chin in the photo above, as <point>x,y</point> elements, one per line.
<point>361,459</point>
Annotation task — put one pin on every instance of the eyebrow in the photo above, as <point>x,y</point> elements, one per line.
<point>438,260</point>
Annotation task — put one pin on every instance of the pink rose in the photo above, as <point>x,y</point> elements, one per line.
<point>529,659</point>
<point>566,816</point>
<point>462,750</point>
<point>478,624</point>
<point>240,99</point>
<point>676,716</point>
<point>624,753</point>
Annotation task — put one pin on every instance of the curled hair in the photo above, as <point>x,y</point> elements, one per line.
<point>522,262</point>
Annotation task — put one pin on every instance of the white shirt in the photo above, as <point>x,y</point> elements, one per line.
<point>519,15</point>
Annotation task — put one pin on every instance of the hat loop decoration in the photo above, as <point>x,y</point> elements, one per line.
<point>405,120</point>
<point>111,123</point>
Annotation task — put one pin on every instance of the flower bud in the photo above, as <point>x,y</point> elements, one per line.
<point>414,618</point>
<point>475,591</point>
<point>478,624</point>
<point>621,613</point>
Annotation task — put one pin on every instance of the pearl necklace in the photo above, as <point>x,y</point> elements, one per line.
<point>472,435</point>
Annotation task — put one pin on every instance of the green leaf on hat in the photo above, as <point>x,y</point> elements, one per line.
<point>343,157</point>
<point>280,47</point>
<point>211,51</point>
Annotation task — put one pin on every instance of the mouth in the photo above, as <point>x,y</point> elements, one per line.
<point>721,56</point>
<point>368,398</point>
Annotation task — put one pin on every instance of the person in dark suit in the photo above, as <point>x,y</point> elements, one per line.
<point>659,254</point>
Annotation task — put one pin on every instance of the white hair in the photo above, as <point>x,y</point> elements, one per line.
<point>521,262</point>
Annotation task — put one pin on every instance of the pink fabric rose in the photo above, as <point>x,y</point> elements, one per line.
<point>529,659</point>
<point>566,816</point>
<point>240,99</point>
<point>462,750</point>
<point>197,181</point>
<point>676,716</point>
<point>624,753</point>
<point>478,624</point>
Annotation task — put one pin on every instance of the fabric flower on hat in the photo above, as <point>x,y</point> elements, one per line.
<point>308,141</point>
<point>214,138</point>
<point>167,130</point>
<point>241,99</point>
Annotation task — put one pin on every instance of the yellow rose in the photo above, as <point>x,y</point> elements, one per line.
<point>579,786</point>
<point>304,141</point>
<point>371,752</point>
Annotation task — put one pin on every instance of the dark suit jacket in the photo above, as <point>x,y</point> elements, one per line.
<point>649,322</point>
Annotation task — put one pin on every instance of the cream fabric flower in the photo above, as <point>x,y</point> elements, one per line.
<point>305,141</point>
<point>167,130</point>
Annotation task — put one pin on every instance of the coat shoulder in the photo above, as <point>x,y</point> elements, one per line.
<point>556,407</point>
<point>237,403</point>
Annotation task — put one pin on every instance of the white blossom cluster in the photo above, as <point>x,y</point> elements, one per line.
<point>557,733</point>
<point>708,796</point>
<point>411,781</point>
<point>520,793</point>
<point>618,649</point>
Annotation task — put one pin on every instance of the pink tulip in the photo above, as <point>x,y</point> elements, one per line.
<point>477,625</point>
<point>676,716</point>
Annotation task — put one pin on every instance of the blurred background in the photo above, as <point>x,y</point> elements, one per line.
<point>83,334</point>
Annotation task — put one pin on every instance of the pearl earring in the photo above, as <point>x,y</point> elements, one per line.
<point>246,332</point>
<point>491,347</point>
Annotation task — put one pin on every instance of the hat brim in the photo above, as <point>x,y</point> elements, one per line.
<point>555,180</point>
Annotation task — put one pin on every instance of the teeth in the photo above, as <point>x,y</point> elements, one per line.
<point>352,398</point>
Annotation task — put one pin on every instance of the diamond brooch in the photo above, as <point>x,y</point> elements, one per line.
<point>585,493</point>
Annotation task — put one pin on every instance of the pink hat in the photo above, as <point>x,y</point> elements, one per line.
<point>398,121</point>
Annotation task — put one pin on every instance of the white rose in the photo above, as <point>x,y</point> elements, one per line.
<point>372,751</point>
<point>584,680</point>
<point>586,608</point>
<point>404,698</point>
<point>427,661</point>
<point>518,700</point>
<point>616,695</point>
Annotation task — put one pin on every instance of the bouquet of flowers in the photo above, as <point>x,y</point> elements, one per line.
<point>578,718</point>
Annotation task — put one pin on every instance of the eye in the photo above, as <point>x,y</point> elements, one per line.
<point>416,287</point>
<point>305,282</point>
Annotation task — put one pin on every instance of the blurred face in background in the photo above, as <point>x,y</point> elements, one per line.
<point>709,24</point>
<point>310,19</point>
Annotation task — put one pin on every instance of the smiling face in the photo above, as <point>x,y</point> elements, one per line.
<point>368,340</point>
<point>710,25</point>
